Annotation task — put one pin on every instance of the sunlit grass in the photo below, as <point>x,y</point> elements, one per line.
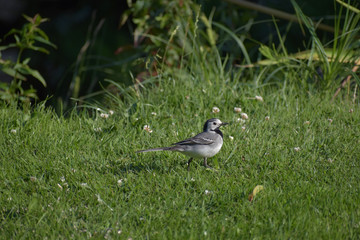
<point>80,177</point>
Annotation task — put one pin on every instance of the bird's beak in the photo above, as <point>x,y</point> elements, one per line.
<point>223,124</point>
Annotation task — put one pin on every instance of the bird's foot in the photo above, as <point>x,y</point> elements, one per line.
<point>209,168</point>
<point>188,164</point>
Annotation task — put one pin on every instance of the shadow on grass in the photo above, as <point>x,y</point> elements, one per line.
<point>157,165</point>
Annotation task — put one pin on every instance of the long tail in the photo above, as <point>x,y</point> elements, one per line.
<point>156,149</point>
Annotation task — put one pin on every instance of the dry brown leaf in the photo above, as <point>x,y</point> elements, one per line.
<point>256,190</point>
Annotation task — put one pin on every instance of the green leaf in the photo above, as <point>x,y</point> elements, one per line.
<point>7,46</point>
<point>30,93</point>
<point>237,40</point>
<point>4,86</point>
<point>11,72</point>
<point>29,19</point>
<point>25,69</point>
<point>12,31</point>
<point>124,17</point>
<point>44,41</point>
<point>303,55</point>
<point>310,26</point>
<point>39,49</point>
<point>267,52</point>
<point>38,76</point>
<point>354,9</point>
<point>41,33</point>
<point>26,61</point>
<point>17,39</point>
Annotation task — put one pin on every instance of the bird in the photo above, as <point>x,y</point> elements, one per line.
<point>204,145</point>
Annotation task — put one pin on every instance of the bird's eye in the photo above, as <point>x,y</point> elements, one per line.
<point>214,123</point>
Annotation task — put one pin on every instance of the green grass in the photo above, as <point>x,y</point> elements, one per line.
<point>60,177</point>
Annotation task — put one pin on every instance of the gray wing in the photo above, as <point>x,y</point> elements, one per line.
<point>202,139</point>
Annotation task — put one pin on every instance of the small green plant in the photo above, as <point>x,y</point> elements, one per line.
<point>25,39</point>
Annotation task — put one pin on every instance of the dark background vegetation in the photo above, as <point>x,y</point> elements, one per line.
<point>112,52</point>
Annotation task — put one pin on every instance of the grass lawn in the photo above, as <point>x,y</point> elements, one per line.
<point>79,176</point>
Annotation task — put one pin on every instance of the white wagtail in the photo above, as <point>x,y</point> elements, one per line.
<point>204,145</point>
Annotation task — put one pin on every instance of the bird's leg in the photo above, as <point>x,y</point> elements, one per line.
<point>188,163</point>
<point>205,163</point>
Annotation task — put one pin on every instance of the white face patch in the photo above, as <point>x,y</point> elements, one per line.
<point>213,125</point>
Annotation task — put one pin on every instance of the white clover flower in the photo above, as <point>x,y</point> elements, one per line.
<point>119,231</point>
<point>243,128</point>
<point>13,131</point>
<point>192,179</point>
<point>83,184</point>
<point>111,112</point>
<point>351,110</point>
<point>307,122</point>
<point>119,182</point>
<point>154,113</point>
<point>240,120</point>
<point>104,115</point>
<point>62,179</point>
<point>187,97</point>
<point>330,160</point>
<point>244,116</point>
<point>259,98</point>
<point>207,192</point>
<point>231,138</point>
<point>33,179</point>
<point>267,118</point>
<point>205,233</point>
<point>215,110</point>
<point>196,115</point>
<point>98,109</point>
<point>147,128</point>
<point>297,149</point>
<point>237,109</point>
<point>330,120</point>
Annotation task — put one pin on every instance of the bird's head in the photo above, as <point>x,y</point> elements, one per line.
<point>213,124</point>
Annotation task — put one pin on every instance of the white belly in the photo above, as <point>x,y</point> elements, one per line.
<point>201,151</point>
